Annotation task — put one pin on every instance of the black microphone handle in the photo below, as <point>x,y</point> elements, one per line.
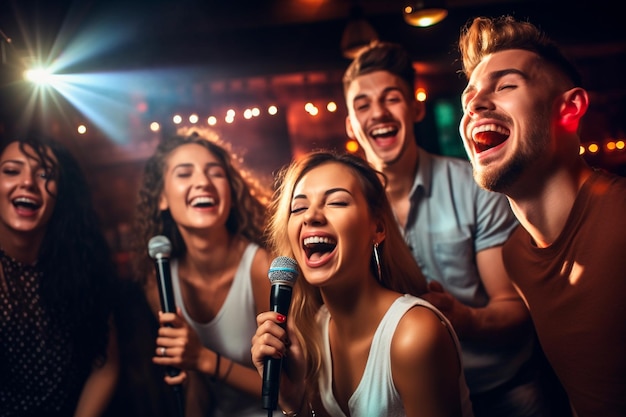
<point>280,299</point>
<point>164,279</point>
<point>166,294</point>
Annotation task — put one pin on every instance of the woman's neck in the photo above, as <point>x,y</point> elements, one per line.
<point>23,248</point>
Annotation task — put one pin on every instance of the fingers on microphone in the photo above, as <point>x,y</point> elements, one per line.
<point>175,380</point>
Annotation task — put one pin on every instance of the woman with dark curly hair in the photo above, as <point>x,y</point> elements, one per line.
<point>58,349</point>
<point>195,193</point>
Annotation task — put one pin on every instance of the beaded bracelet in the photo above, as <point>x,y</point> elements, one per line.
<point>230,367</point>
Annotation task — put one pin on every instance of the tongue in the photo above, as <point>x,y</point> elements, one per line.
<point>316,256</point>
<point>25,210</point>
<point>487,140</point>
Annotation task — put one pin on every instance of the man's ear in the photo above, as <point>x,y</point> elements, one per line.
<point>573,106</point>
<point>419,110</point>
<point>349,130</point>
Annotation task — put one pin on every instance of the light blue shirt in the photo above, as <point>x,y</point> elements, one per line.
<point>450,220</point>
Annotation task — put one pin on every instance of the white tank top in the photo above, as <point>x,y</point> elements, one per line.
<point>376,394</point>
<point>230,333</point>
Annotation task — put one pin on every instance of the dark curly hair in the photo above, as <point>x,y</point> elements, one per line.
<point>74,256</point>
<point>249,197</point>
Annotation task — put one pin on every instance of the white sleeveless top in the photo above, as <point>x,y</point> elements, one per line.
<point>376,394</point>
<point>230,334</point>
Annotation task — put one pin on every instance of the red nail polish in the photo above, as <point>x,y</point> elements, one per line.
<point>281,318</point>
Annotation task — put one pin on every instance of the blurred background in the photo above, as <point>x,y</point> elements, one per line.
<point>114,77</point>
<point>117,75</point>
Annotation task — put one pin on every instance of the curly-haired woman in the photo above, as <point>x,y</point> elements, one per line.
<point>196,193</point>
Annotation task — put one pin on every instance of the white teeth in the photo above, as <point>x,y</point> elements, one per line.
<point>318,239</point>
<point>490,128</point>
<point>382,130</point>
<point>202,200</point>
<point>25,200</point>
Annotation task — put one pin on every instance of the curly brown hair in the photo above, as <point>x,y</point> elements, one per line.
<point>247,216</point>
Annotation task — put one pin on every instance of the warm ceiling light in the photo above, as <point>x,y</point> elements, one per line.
<point>424,13</point>
<point>357,35</point>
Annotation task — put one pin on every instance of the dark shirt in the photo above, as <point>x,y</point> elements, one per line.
<point>575,291</point>
<point>40,372</point>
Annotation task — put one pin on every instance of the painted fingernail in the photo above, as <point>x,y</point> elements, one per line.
<point>281,318</point>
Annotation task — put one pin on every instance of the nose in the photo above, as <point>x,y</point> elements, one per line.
<point>379,109</point>
<point>27,180</point>
<point>203,179</point>
<point>478,102</point>
<point>313,216</point>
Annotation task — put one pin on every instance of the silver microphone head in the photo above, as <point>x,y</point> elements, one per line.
<point>283,270</point>
<point>159,247</point>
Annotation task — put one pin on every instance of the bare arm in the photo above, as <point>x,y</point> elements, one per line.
<point>260,282</point>
<point>100,386</point>
<point>504,320</point>
<point>185,350</point>
<point>425,366</point>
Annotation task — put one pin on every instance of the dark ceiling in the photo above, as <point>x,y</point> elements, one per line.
<point>299,40</point>
<point>225,43</point>
<point>247,38</point>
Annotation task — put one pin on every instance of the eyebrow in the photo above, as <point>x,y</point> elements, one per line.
<point>13,161</point>
<point>385,91</point>
<point>495,75</point>
<point>326,193</point>
<point>189,165</point>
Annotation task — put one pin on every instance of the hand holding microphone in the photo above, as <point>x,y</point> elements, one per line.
<point>159,249</point>
<point>282,274</point>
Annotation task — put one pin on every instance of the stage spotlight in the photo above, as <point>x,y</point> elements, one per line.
<point>40,76</point>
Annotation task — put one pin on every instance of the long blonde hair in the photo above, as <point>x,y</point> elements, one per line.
<point>399,271</point>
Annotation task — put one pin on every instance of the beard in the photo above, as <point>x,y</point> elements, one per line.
<point>502,178</point>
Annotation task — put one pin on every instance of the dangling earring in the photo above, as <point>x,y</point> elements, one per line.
<point>377,260</point>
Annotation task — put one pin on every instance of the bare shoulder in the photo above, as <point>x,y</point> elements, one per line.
<point>260,282</point>
<point>425,364</point>
<point>421,335</point>
<point>260,265</point>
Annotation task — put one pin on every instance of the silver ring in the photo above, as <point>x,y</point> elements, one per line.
<point>162,351</point>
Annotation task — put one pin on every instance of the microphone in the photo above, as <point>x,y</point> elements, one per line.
<point>159,249</point>
<point>282,274</point>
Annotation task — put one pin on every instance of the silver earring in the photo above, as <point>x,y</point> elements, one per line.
<point>377,260</point>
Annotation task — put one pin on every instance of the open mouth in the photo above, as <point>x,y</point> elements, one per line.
<point>26,203</point>
<point>384,132</point>
<point>489,136</point>
<point>315,247</point>
<point>203,202</point>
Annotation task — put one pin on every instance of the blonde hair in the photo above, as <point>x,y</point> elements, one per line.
<point>399,271</point>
